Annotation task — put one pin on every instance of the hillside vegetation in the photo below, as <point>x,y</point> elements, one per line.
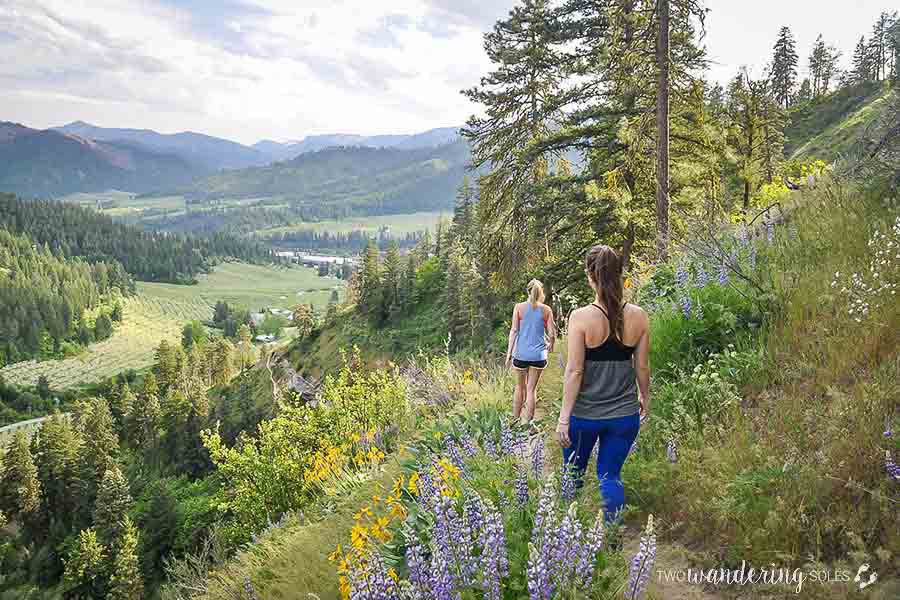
<point>75,231</point>
<point>828,128</point>
<point>339,182</point>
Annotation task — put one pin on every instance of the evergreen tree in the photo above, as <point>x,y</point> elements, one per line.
<point>85,575</point>
<point>518,97</point>
<point>112,506</point>
<point>126,582</point>
<point>390,295</point>
<point>97,454</point>
<point>103,327</point>
<point>221,361</point>
<point>784,67</point>
<point>862,68</point>
<point>370,291</point>
<point>166,365</point>
<point>879,47</point>
<point>464,215</point>
<point>804,94</point>
<point>57,445</point>
<point>408,286</point>
<point>20,487</point>
<point>245,347</point>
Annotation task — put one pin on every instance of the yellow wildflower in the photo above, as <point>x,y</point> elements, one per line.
<point>413,485</point>
<point>393,574</point>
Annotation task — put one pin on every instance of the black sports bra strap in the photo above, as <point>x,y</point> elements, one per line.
<point>603,310</point>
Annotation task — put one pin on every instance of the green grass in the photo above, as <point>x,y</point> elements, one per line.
<point>398,224</point>
<point>251,287</point>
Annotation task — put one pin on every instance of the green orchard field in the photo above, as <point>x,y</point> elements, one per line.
<point>148,321</point>
<point>252,287</point>
<point>159,311</point>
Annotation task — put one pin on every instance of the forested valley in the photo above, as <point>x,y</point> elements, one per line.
<point>373,454</point>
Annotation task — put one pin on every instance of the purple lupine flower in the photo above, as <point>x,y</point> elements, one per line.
<point>642,564</point>
<point>891,467</point>
<point>702,277</point>
<point>507,441</point>
<point>441,579</point>
<point>770,232</point>
<point>428,492</point>
<point>453,539</point>
<point>537,458</point>
<point>567,481</point>
<point>371,582</point>
<point>494,560</point>
<point>672,451</point>
<point>419,575</point>
<point>567,547</point>
<point>751,257</point>
<point>686,306</point>
<point>743,236</point>
<point>521,486</point>
<point>888,432</point>
<point>723,273</point>
<point>542,545</point>
<point>698,313</point>
<point>454,454</point>
<point>682,276</point>
<point>248,589</point>
<point>473,512</point>
<point>490,447</point>
<point>468,446</point>
<point>539,583</point>
<point>587,557</point>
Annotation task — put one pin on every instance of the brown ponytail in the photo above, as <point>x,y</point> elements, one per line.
<point>604,266</point>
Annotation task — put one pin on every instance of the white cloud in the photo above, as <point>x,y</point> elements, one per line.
<point>271,69</point>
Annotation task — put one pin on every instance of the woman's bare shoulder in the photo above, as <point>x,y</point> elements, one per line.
<point>633,311</point>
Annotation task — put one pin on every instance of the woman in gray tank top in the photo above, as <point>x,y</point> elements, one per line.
<point>608,364</point>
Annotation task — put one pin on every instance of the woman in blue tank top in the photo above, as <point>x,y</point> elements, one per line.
<point>531,337</point>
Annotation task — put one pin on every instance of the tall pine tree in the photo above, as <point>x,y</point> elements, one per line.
<point>784,67</point>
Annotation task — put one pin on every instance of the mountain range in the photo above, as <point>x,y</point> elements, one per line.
<point>49,163</point>
<point>288,150</point>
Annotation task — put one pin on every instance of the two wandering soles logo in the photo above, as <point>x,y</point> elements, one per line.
<point>772,576</point>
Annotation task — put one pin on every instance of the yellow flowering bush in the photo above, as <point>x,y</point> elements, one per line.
<point>373,526</point>
<point>309,449</point>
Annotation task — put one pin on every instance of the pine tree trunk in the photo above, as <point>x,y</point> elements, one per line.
<point>662,128</point>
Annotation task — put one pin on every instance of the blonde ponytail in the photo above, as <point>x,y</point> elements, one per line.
<point>535,292</point>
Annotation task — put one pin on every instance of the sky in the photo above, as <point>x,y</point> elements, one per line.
<point>281,69</point>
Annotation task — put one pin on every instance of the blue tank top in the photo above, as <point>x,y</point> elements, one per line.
<point>530,342</point>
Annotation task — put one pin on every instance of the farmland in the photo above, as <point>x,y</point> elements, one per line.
<point>159,312</point>
<point>251,286</point>
<point>148,321</point>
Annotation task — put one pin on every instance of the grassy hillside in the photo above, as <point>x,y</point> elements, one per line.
<point>828,128</point>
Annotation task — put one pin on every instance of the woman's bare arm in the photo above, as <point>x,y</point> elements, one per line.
<point>642,367</point>
<point>551,330</point>
<point>574,373</point>
<point>513,333</point>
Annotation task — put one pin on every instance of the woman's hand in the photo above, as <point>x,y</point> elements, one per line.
<point>562,434</point>
<point>644,409</point>
<point>508,361</point>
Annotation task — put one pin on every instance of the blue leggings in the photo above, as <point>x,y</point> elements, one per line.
<point>613,438</point>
